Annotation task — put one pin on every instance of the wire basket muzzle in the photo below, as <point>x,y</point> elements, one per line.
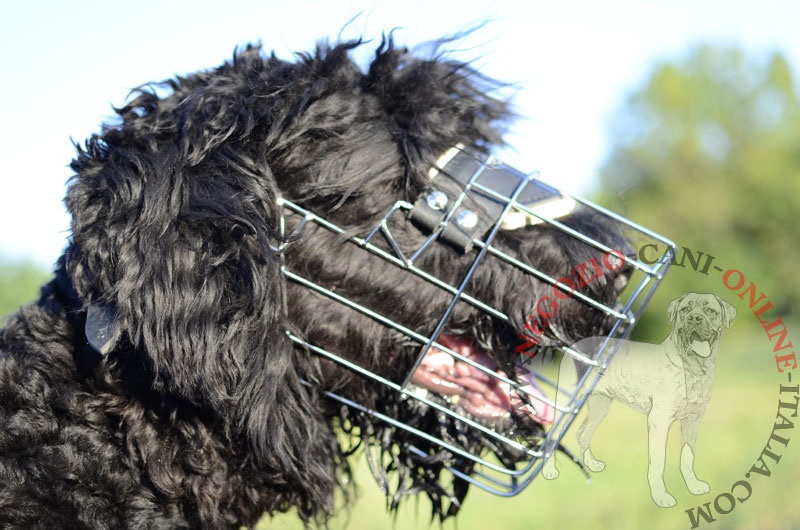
<point>469,203</point>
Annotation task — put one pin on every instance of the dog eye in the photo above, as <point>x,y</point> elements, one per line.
<point>711,311</point>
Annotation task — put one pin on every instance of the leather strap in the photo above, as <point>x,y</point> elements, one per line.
<point>479,211</point>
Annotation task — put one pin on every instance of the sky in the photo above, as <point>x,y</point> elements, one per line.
<point>65,64</point>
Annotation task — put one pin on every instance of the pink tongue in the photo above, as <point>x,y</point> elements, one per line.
<point>478,392</point>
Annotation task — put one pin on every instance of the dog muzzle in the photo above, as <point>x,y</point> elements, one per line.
<point>469,201</point>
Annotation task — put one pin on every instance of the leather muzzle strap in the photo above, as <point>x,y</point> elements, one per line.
<point>479,210</point>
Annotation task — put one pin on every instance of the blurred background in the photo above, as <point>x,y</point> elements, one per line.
<point>684,116</point>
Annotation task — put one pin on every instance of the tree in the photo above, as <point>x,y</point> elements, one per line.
<point>707,152</point>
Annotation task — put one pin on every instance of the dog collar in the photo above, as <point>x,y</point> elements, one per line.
<point>465,212</point>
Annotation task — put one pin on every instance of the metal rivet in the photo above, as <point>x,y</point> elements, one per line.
<point>467,219</point>
<point>437,200</point>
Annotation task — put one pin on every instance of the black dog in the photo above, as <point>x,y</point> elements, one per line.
<point>154,385</point>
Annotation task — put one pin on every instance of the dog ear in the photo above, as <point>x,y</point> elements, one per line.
<point>435,104</point>
<point>170,252</point>
<point>672,308</point>
<point>728,312</point>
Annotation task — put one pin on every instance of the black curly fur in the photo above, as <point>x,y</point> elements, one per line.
<point>198,417</point>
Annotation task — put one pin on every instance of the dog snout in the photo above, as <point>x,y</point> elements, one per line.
<point>695,317</point>
<point>696,321</point>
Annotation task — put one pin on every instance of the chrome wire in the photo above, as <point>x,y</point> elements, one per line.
<point>488,475</point>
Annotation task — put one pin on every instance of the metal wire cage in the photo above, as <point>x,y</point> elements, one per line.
<point>510,211</point>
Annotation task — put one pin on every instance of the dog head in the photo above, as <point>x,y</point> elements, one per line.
<point>237,243</point>
<point>698,320</point>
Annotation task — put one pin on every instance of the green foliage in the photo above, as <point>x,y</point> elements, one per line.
<point>19,284</point>
<point>708,153</point>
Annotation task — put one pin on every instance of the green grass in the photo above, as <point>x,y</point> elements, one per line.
<point>736,426</point>
<point>19,284</point>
